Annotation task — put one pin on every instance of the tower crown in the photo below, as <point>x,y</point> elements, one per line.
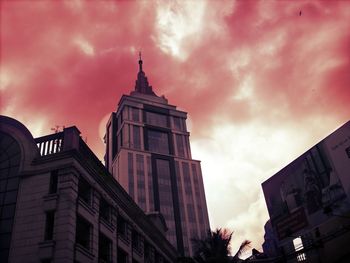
<point>142,84</point>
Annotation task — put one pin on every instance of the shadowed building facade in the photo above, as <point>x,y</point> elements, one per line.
<point>148,152</point>
<point>309,204</point>
<point>58,203</point>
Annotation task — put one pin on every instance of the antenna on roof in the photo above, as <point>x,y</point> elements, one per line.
<point>58,128</point>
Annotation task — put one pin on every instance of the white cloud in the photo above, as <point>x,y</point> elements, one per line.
<point>237,159</point>
<point>176,23</point>
<point>5,79</point>
<point>84,46</point>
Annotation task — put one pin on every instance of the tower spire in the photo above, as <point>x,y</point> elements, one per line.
<point>142,84</point>
<point>140,62</point>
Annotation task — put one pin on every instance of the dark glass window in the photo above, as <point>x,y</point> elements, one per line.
<point>12,183</point>
<point>6,226</point>
<point>136,241</point>
<point>158,141</point>
<point>156,119</point>
<point>53,182</point>
<point>105,210</point>
<point>10,197</point>
<point>137,137</point>
<point>125,113</point>
<point>180,145</point>
<point>8,211</point>
<point>49,225</point>
<point>83,233</point>
<point>140,172</point>
<point>158,258</point>
<point>148,252</point>
<point>126,135</point>
<point>347,150</point>
<point>165,197</point>
<point>150,183</point>
<point>122,256</point>
<point>104,249</point>
<point>10,156</point>
<point>131,174</point>
<point>135,114</point>
<point>122,226</point>
<point>4,255</point>
<point>84,190</point>
<point>178,124</point>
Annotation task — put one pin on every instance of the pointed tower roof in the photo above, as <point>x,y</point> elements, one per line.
<point>142,84</point>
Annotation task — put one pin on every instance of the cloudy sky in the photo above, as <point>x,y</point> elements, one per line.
<point>261,83</point>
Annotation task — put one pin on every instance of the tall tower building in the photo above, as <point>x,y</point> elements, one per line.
<point>148,152</point>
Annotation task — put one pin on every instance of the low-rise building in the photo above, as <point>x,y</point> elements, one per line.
<point>58,203</point>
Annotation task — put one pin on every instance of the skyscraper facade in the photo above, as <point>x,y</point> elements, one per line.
<point>148,152</point>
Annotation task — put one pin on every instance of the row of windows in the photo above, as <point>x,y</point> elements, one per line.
<point>84,228</point>
<point>156,140</point>
<point>85,194</point>
<point>84,232</point>
<point>152,118</point>
<point>142,172</point>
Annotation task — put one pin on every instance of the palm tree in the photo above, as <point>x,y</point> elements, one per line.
<point>216,247</point>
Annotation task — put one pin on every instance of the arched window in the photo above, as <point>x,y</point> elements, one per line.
<point>10,157</point>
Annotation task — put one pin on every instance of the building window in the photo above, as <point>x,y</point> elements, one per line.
<point>135,114</point>
<point>298,245</point>
<point>136,137</point>
<point>49,225</point>
<point>122,256</point>
<point>156,119</point>
<point>178,124</point>
<point>150,184</point>
<point>104,249</point>
<point>166,198</point>
<point>9,181</point>
<point>125,113</point>
<point>126,135</point>
<point>131,174</point>
<point>53,182</point>
<point>136,241</point>
<point>84,190</point>
<point>180,145</point>
<point>347,150</point>
<point>140,172</point>
<point>147,252</point>
<point>158,141</point>
<point>122,226</point>
<point>105,210</point>
<point>158,258</point>
<point>83,233</point>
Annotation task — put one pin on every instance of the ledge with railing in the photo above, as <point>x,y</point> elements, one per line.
<point>66,140</point>
<point>50,144</point>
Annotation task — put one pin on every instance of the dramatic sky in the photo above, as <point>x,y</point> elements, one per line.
<point>260,82</point>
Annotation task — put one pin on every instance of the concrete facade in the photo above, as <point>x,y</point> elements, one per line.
<point>148,152</point>
<point>64,206</point>
<point>309,203</point>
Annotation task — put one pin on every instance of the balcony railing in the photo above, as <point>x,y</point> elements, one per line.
<point>50,144</point>
<point>66,140</point>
